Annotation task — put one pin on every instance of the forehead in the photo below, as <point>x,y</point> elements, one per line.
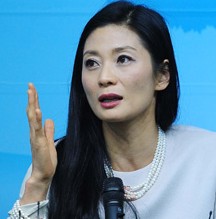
<point>112,36</point>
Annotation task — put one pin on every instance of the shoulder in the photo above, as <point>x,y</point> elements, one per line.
<point>189,133</point>
<point>192,147</point>
<point>192,137</point>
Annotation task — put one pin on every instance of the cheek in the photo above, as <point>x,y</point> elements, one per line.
<point>85,82</point>
<point>141,80</point>
<point>88,85</point>
<point>140,73</point>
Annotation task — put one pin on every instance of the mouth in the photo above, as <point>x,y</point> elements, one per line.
<point>106,98</point>
<point>109,101</point>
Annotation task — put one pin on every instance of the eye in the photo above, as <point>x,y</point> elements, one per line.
<point>123,59</point>
<point>91,64</point>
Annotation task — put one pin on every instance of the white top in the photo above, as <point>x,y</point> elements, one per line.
<point>186,186</point>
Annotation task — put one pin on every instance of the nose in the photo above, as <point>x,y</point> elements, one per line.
<point>107,77</point>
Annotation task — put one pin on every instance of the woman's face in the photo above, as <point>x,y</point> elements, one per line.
<point>117,75</point>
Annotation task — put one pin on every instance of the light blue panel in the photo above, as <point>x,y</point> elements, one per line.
<point>195,53</point>
<point>12,171</point>
<point>38,40</point>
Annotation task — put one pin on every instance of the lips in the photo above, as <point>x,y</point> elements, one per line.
<point>110,100</point>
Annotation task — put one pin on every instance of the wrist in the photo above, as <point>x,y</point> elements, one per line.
<point>34,191</point>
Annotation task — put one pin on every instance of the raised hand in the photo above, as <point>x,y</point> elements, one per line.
<point>44,157</point>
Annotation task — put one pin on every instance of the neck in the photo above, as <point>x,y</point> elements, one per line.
<point>131,145</point>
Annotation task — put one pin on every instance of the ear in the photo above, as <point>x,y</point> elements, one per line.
<point>163,76</point>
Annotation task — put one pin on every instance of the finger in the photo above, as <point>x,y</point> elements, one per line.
<point>36,128</point>
<point>38,121</point>
<point>37,105</point>
<point>49,131</point>
<point>30,94</point>
<point>33,109</point>
<point>33,112</point>
<point>33,96</point>
<point>31,106</point>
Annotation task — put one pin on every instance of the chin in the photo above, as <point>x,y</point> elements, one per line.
<point>114,116</point>
<point>113,119</point>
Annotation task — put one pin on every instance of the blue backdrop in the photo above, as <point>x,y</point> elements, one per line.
<point>38,40</point>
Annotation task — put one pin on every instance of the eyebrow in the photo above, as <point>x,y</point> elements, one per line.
<point>90,52</point>
<point>115,50</point>
<point>120,49</point>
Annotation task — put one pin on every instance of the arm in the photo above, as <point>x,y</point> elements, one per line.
<point>32,210</point>
<point>44,157</point>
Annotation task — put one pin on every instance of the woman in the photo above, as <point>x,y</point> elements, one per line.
<point>123,102</point>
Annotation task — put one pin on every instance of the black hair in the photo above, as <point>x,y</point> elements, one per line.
<point>76,187</point>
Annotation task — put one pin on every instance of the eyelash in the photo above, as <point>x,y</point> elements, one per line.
<point>123,57</point>
<point>90,63</point>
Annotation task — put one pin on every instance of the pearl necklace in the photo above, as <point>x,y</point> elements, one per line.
<point>135,192</point>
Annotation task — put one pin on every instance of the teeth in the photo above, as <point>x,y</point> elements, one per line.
<point>110,100</point>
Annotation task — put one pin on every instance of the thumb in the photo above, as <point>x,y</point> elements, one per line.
<point>49,130</point>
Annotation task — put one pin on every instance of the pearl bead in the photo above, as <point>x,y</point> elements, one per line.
<point>135,192</point>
